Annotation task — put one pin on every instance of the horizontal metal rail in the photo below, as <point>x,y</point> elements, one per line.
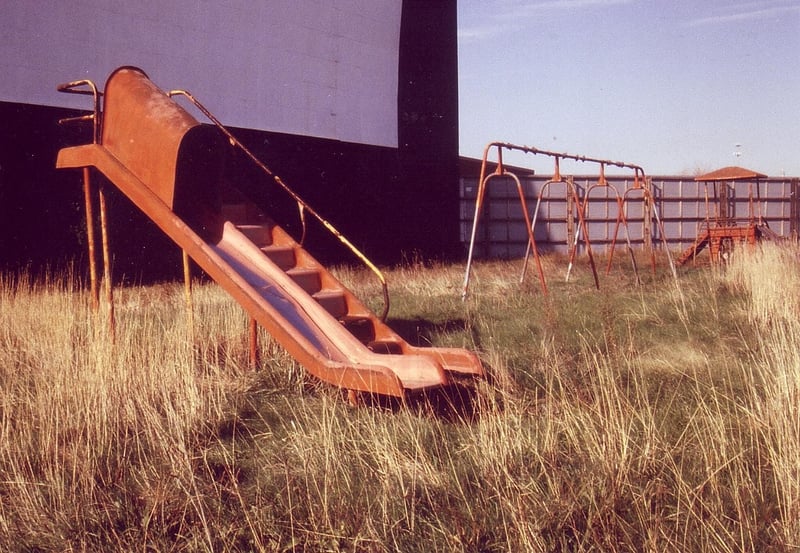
<point>638,170</point>
<point>302,205</point>
<point>74,87</point>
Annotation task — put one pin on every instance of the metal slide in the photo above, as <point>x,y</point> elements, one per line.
<point>169,165</point>
<point>694,250</point>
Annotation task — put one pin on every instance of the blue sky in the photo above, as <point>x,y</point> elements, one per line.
<point>673,86</point>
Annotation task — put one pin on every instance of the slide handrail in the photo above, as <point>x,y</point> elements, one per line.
<point>302,205</point>
<point>74,87</point>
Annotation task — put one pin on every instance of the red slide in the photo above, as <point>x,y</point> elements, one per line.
<point>159,156</point>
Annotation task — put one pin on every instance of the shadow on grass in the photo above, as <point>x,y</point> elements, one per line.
<point>421,332</point>
<point>458,402</point>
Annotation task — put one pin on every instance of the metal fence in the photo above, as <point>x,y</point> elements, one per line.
<point>681,204</point>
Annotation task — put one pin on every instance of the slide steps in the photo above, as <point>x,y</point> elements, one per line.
<point>694,250</point>
<point>316,281</point>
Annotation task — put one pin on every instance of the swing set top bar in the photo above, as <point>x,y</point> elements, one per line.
<point>638,170</point>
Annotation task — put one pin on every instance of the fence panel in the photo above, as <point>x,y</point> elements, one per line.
<point>681,202</point>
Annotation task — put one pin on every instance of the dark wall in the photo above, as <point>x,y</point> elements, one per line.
<point>428,126</point>
<point>42,215</point>
<point>40,210</point>
<point>389,202</point>
<point>348,184</point>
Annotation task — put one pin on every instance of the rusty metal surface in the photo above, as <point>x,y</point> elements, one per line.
<point>731,173</point>
<point>144,129</point>
<point>638,170</point>
<point>640,184</point>
<point>724,228</point>
<point>87,87</point>
<point>723,232</point>
<point>144,137</point>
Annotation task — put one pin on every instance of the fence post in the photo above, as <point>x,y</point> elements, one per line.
<point>794,208</point>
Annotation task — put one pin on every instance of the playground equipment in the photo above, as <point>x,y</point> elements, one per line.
<point>722,231</point>
<point>170,166</point>
<point>577,209</point>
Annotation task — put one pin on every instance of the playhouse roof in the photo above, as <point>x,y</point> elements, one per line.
<point>730,173</point>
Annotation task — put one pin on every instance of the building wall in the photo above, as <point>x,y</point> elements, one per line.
<point>324,68</point>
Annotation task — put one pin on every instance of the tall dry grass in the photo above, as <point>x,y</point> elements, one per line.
<point>629,419</point>
<point>771,281</point>
<point>99,436</point>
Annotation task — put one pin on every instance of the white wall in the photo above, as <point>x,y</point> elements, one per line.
<point>325,68</point>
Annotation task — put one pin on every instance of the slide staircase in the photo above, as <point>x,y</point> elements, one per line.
<point>765,232</point>
<point>170,166</point>
<point>694,250</point>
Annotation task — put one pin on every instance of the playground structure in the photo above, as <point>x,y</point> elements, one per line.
<point>722,231</point>
<point>576,209</point>
<point>170,166</point>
